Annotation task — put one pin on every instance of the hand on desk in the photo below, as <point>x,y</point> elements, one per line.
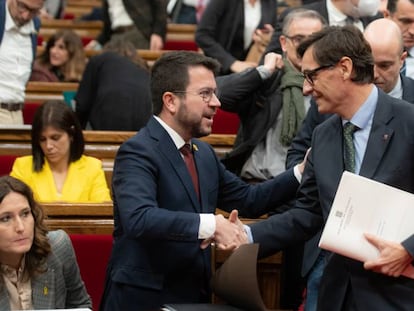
<point>393,258</point>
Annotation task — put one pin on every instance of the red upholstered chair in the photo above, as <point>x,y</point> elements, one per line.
<point>225,122</point>
<point>180,45</point>
<point>92,253</point>
<point>6,164</point>
<point>29,110</point>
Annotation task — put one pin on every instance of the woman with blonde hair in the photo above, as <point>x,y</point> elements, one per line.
<point>63,59</point>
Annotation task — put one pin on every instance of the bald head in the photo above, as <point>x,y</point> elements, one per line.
<point>385,39</point>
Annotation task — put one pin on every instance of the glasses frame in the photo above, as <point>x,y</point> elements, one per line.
<point>205,94</point>
<point>296,39</point>
<point>310,75</point>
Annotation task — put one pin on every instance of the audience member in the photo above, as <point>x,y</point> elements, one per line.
<point>337,13</point>
<point>402,13</point>
<point>114,93</point>
<point>186,11</point>
<point>53,9</point>
<point>226,30</point>
<point>161,209</point>
<point>18,41</point>
<point>38,268</point>
<point>142,22</point>
<point>63,59</point>
<point>385,40</point>
<point>57,170</point>
<point>339,70</point>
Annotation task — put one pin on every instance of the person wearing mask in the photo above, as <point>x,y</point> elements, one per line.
<point>166,187</point>
<point>38,267</point>
<point>63,59</point>
<point>19,25</point>
<point>227,28</point>
<point>57,170</point>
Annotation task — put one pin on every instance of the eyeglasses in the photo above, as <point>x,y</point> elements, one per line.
<point>205,94</point>
<point>22,7</point>
<point>297,39</point>
<point>310,75</point>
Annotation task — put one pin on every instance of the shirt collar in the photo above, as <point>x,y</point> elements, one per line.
<point>397,91</point>
<point>177,139</point>
<point>335,16</point>
<point>366,112</point>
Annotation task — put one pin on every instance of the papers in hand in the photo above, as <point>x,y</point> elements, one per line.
<point>362,205</point>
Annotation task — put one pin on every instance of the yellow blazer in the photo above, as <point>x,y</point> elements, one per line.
<point>85,181</point>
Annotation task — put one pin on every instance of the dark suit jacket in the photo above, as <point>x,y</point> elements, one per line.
<point>62,280</point>
<point>257,104</point>
<point>320,7</point>
<point>156,257</point>
<point>220,32</point>
<point>114,94</point>
<point>386,160</point>
<point>302,142</point>
<point>149,16</point>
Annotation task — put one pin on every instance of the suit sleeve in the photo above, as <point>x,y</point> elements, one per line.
<point>159,26</point>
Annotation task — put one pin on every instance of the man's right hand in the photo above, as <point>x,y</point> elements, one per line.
<point>230,232</point>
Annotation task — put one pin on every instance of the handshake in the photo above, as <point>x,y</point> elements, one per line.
<point>230,233</point>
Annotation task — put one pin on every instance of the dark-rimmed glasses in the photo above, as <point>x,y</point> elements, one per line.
<point>297,39</point>
<point>310,75</point>
<point>205,94</point>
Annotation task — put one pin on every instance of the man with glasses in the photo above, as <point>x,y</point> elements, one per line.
<point>339,73</point>
<point>271,107</point>
<point>402,13</point>
<point>18,40</point>
<point>166,187</point>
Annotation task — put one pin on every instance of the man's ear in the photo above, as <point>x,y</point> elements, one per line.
<point>282,40</point>
<point>346,66</point>
<point>170,101</point>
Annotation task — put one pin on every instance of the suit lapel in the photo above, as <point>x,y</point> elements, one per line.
<point>379,138</point>
<point>335,149</point>
<point>44,290</point>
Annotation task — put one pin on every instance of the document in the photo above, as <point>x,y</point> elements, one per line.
<point>362,205</point>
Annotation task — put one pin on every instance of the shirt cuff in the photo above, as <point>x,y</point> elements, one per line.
<point>207,226</point>
<point>249,233</point>
<point>297,173</point>
<point>263,72</point>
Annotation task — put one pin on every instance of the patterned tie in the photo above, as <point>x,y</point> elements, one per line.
<point>189,161</point>
<point>349,147</point>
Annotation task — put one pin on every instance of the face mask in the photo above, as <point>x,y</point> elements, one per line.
<point>366,8</point>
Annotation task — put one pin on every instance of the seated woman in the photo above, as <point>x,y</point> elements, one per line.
<point>62,60</point>
<point>38,268</point>
<point>57,170</point>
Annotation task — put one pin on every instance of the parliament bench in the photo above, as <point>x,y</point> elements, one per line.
<point>88,224</point>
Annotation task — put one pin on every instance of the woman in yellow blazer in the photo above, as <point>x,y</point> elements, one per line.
<point>57,170</point>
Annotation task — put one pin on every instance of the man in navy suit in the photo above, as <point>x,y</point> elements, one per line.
<point>164,222</point>
<point>385,39</point>
<point>339,71</point>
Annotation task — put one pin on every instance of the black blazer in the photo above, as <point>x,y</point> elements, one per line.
<point>220,32</point>
<point>389,161</point>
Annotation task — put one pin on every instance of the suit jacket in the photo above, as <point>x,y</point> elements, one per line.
<point>85,181</point>
<point>149,16</point>
<point>156,256</point>
<point>300,145</point>
<point>388,159</point>
<point>114,94</point>
<point>61,286</point>
<point>318,6</point>
<point>257,103</point>
<point>220,32</point>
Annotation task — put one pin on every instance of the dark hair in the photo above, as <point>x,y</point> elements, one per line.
<point>57,114</point>
<point>36,257</point>
<point>170,73</point>
<point>333,42</point>
<point>392,5</point>
<point>73,69</point>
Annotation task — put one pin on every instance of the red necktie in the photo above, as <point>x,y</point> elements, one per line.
<point>189,161</point>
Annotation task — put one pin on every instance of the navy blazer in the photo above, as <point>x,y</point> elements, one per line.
<point>156,257</point>
<point>388,160</point>
<point>220,32</point>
